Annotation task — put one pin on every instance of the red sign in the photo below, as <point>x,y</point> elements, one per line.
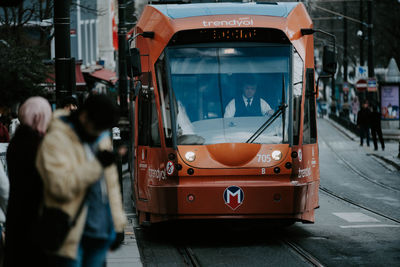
<point>72,31</point>
<point>361,85</point>
<point>345,87</point>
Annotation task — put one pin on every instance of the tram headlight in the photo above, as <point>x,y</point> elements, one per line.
<point>190,156</point>
<point>276,155</point>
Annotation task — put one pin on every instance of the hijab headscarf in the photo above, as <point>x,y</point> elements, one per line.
<point>36,113</point>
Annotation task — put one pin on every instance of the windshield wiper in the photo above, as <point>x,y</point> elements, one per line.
<point>281,110</point>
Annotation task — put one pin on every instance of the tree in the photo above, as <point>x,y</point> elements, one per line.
<point>22,73</point>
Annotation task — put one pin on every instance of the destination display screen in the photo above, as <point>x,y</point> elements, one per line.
<point>229,35</point>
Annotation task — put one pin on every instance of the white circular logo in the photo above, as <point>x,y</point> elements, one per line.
<point>170,168</point>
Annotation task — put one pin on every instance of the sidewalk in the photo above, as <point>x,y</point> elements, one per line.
<point>389,155</point>
<point>128,254</point>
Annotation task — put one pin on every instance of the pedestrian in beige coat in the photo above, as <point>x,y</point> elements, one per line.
<point>75,159</point>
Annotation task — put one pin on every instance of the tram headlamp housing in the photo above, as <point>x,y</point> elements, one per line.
<point>276,155</point>
<point>190,156</point>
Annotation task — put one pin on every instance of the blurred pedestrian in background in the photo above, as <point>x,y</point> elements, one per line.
<point>363,122</point>
<point>4,191</point>
<point>77,164</point>
<point>4,135</point>
<point>25,183</point>
<point>12,128</point>
<point>355,107</point>
<point>69,103</point>
<point>376,127</point>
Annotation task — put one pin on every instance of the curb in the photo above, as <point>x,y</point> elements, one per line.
<point>388,161</point>
<point>344,132</point>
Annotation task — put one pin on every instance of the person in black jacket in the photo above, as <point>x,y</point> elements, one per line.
<point>25,184</point>
<point>376,128</point>
<point>363,122</point>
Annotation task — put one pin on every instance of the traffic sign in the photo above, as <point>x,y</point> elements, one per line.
<point>346,87</point>
<point>372,85</point>
<point>361,85</point>
<point>361,72</point>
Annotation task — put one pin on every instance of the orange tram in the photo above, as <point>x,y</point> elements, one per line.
<point>225,117</point>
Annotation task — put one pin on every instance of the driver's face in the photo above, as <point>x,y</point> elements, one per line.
<point>249,90</point>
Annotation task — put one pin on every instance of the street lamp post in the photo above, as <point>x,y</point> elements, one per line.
<point>371,72</point>
<point>360,34</point>
<point>64,64</point>
<point>122,69</point>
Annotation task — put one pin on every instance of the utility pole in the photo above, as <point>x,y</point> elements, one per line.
<point>362,33</point>
<point>345,41</point>
<point>64,64</point>
<point>122,69</point>
<point>371,72</point>
<point>333,97</point>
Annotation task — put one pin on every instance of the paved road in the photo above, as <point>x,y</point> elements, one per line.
<point>352,171</point>
<point>343,234</point>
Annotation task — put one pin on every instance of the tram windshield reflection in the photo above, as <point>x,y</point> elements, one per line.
<point>224,94</point>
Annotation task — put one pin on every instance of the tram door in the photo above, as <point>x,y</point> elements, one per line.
<point>149,144</point>
<point>143,142</point>
<point>309,164</point>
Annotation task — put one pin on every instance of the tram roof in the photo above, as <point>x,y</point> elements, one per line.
<point>177,11</point>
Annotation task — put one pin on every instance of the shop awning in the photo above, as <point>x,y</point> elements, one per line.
<point>105,75</point>
<point>79,80</point>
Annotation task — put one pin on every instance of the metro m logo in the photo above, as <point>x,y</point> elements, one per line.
<point>233,197</point>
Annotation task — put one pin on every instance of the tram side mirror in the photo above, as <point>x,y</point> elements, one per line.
<point>134,65</point>
<point>329,60</point>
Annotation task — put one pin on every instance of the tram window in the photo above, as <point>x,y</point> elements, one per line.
<point>309,124</point>
<point>164,100</point>
<point>144,119</point>
<point>154,130</point>
<point>296,119</point>
<point>206,79</point>
<point>298,72</point>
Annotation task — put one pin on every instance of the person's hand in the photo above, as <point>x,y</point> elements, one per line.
<point>105,157</point>
<point>117,242</point>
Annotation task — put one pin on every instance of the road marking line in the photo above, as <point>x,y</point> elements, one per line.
<point>369,226</point>
<point>355,217</point>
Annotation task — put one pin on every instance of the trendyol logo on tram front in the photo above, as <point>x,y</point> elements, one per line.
<point>233,22</point>
<point>233,197</point>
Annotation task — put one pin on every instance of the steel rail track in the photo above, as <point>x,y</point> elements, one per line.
<point>359,173</point>
<point>190,258</point>
<point>332,194</point>
<point>188,255</point>
<point>397,190</point>
<point>302,253</point>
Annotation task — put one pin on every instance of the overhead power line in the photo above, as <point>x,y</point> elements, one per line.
<point>341,15</point>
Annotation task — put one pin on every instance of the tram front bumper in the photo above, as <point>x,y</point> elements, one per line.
<point>241,200</point>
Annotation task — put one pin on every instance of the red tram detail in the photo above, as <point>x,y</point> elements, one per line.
<point>225,123</point>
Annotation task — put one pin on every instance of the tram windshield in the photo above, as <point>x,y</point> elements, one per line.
<point>224,94</point>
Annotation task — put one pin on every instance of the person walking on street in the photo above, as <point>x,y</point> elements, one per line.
<point>77,166</point>
<point>25,183</point>
<point>376,128</point>
<point>355,107</point>
<point>69,103</point>
<point>363,122</point>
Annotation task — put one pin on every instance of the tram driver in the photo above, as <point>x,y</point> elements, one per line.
<point>247,104</point>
